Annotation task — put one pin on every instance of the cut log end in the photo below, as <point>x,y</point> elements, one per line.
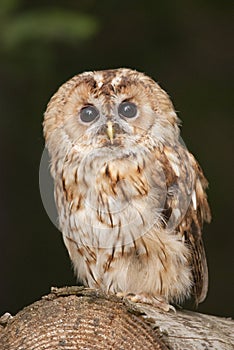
<point>77,318</point>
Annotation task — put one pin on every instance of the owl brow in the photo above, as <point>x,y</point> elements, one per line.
<point>107,89</point>
<point>125,85</point>
<point>88,80</point>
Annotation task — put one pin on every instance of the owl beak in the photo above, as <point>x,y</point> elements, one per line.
<point>110,131</point>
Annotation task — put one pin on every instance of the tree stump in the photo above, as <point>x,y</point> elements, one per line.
<point>78,318</point>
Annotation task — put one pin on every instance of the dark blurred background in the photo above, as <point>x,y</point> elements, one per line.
<point>184,45</point>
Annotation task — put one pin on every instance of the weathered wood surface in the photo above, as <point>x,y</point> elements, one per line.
<point>77,318</point>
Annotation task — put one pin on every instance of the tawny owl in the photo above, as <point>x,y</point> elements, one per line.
<point>130,197</point>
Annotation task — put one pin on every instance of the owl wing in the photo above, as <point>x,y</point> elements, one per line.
<point>186,208</point>
<point>191,227</point>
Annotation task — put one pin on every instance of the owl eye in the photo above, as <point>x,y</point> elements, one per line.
<point>127,109</point>
<point>88,114</point>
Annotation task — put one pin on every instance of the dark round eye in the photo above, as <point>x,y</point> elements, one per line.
<point>88,114</point>
<point>127,109</point>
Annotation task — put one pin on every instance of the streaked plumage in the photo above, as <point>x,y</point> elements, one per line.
<point>130,197</point>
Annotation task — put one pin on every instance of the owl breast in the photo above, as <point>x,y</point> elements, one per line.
<point>112,222</point>
<point>113,197</point>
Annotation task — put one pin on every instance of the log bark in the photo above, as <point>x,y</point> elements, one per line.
<point>78,318</point>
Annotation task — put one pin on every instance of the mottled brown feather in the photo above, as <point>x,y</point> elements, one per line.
<point>131,207</point>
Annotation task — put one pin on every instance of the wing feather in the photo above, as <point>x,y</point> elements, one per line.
<point>191,226</point>
<point>186,185</point>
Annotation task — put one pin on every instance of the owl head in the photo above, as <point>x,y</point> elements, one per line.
<point>117,107</point>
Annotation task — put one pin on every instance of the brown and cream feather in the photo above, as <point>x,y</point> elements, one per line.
<point>130,197</point>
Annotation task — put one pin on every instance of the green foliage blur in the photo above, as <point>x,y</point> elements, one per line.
<point>185,46</point>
